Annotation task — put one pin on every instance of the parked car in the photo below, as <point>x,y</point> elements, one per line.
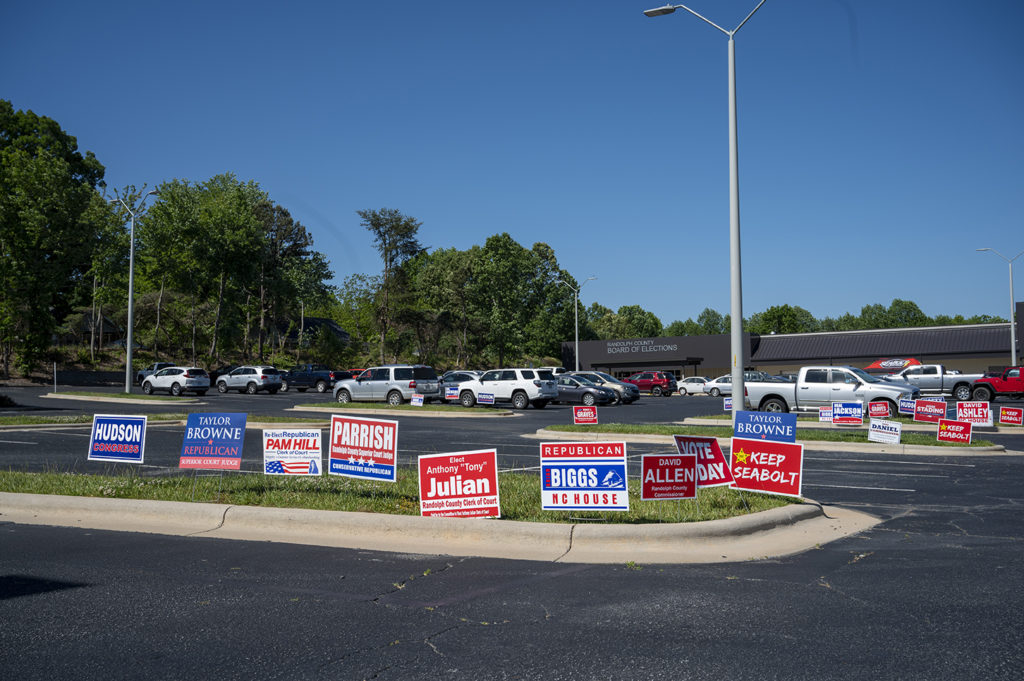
<point>392,383</point>
<point>820,386</point>
<point>657,383</point>
<point>625,393</point>
<point>219,371</point>
<point>935,379</point>
<point>723,384</point>
<point>1010,383</point>
<point>575,389</point>
<point>452,379</point>
<point>302,377</point>
<point>152,369</point>
<point>555,370</point>
<point>177,380</point>
<point>251,379</point>
<point>692,385</point>
<point>521,387</point>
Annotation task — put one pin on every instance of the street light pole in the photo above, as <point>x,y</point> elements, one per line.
<point>131,291</point>
<point>1013,321</point>
<point>735,271</point>
<point>576,312</point>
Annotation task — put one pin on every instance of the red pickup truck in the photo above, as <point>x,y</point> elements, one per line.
<point>1008,384</point>
<point>658,383</point>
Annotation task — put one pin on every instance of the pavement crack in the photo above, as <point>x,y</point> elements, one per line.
<point>223,518</point>
<point>572,531</point>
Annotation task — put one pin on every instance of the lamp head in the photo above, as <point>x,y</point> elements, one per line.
<point>658,11</point>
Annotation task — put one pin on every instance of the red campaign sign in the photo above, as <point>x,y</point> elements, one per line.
<point>954,431</point>
<point>1011,416</point>
<point>712,468</point>
<point>363,448</point>
<point>668,477</point>
<point>879,410</point>
<point>584,416</point>
<point>460,484</point>
<point>979,413</point>
<point>767,466</point>
<point>929,411</point>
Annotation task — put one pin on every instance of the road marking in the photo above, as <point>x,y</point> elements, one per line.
<point>17,442</point>
<point>883,489</point>
<point>895,463</point>
<point>895,475</point>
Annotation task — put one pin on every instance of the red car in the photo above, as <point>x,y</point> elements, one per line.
<point>657,383</point>
<point>1008,384</point>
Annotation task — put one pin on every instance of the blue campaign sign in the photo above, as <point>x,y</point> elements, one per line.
<point>213,441</point>
<point>584,476</point>
<point>726,404</point>
<point>757,425</point>
<point>907,407</point>
<point>485,398</point>
<point>117,438</point>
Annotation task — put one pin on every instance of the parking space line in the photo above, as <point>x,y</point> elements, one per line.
<point>882,489</point>
<point>17,442</point>
<point>894,475</point>
<point>894,463</point>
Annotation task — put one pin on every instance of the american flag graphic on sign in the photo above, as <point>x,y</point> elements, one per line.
<point>292,468</point>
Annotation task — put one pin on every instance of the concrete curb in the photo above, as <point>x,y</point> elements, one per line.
<point>916,427</point>
<point>120,400</point>
<point>408,412</point>
<point>777,532</point>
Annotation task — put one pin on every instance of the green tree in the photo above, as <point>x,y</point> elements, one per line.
<point>635,322</point>
<point>783,319</point>
<point>711,322</point>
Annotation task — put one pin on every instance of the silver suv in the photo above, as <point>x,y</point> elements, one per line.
<point>250,379</point>
<point>392,383</point>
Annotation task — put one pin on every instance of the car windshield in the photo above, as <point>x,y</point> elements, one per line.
<point>865,376</point>
<point>585,381</point>
<point>424,374</point>
<point>607,377</point>
<point>271,371</point>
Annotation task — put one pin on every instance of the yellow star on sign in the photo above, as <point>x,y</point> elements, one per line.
<point>942,426</point>
<point>741,456</point>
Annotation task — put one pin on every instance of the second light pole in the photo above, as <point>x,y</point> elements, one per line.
<point>576,311</point>
<point>131,290</point>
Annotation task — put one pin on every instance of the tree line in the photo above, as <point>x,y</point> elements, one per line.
<point>223,273</point>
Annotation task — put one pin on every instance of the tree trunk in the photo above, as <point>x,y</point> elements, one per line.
<point>216,317</point>
<point>302,327</point>
<point>246,340</point>
<point>263,316</point>
<point>159,309</point>
<point>92,322</point>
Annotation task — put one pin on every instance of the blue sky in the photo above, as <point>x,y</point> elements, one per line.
<point>881,141</point>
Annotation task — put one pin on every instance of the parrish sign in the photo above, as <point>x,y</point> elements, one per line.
<point>712,466</point>
<point>583,476</point>
<point>460,484</point>
<point>363,448</point>
<point>213,442</point>
<point>668,477</point>
<point>117,438</point>
<point>768,466</point>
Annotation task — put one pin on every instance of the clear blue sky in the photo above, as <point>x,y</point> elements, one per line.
<point>881,141</point>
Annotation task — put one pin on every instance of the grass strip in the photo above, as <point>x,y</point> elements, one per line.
<point>520,495</point>
<point>127,396</point>
<point>384,405</point>
<point>802,434</point>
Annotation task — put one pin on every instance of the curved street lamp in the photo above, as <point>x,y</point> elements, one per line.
<point>576,311</point>
<point>1013,321</point>
<point>131,289</point>
<point>736,279</point>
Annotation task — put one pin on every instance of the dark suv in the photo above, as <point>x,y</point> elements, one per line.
<point>658,383</point>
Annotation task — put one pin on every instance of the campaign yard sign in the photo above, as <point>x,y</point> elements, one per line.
<point>1011,416</point>
<point>954,431</point>
<point>451,392</point>
<point>583,476</point>
<point>417,400</point>
<point>584,416</point>
<point>978,413</point>
<point>292,452</point>
<point>879,409</point>
<point>117,438</point>
<point>906,407</point>
<point>929,411</point>
<point>460,484</point>
<point>363,448</point>
<point>825,414</point>
<point>848,413</point>
<point>668,477</point>
<point>765,426</point>
<point>886,432</point>
<point>485,398</point>
<point>712,467</point>
<point>768,466</point>
<point>726,404</point>
<point>213,442</point>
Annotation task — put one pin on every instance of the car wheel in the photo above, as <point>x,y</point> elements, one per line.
<point>520,401</point>
<point>395,398</point>
<point>222,387</point>
<point>284,386</point>
<point>147,388</point>
<point>775,405</point>
<point>588,400</point>
<point>540,404</point>
<point>466,399</point>
<point>983,393</point>
<point>962,392</point>
<point>343,396</point>
<point>656,391</point>
<point>321,386</point>
<point>251,388</point>
<point>176,390</point>
<point>272,391</point>
<point>715,392</point>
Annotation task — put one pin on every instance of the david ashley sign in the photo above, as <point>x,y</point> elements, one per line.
<point>668,477</point>
<point>117,438</point>
<point>213,442</point>
<point>460,484</point>
<point>767,466</point>
<point>291,452</point>
<point>583,476</point>
<point>363,448</point>
<point>979,413</point>
<point>712,468</point>
<point>766,426</point>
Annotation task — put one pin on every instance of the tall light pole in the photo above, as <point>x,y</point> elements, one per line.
<point>576,311</point>
<point>1013,321</point>
<point>735,278</point>
<point>131,291</point>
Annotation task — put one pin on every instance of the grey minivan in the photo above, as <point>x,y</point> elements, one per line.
<point>392,383</point>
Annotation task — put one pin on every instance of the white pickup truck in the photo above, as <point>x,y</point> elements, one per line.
<point>820,386</point>
<point>935,379</point>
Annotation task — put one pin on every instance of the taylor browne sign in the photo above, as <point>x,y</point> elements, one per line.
<point>767,466</point>
<point>583,476</point>
<point>363,448</point>
<point>712,468</point>
<point>117,438</point>
<point>213,442</point>
<point>460,484</point>
<point>766,426</point>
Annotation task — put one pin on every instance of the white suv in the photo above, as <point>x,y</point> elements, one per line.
<point>177,380</point>
<point>250,379</point>
<point>521,387</point>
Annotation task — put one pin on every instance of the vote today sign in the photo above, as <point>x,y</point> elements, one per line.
<point>712,466</point>
<point>954,431</point>
<point>668,477</point>
<point>767,466</point>
<point>460,484</point>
